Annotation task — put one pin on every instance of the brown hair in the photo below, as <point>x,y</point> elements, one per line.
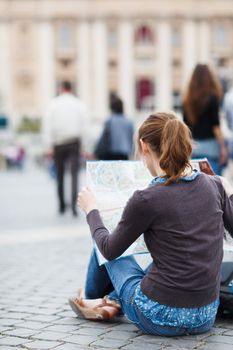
<point>170,139</point>
<point>203,85</point>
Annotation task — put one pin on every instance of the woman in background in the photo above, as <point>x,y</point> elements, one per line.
<point>201,114</point>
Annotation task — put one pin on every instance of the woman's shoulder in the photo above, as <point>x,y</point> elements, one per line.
<point>150,193</point>
<point>214,181</point>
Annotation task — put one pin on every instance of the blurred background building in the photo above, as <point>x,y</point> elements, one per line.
<point>142,50</point>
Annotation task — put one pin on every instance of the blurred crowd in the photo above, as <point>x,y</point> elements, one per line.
<point>65,128</point>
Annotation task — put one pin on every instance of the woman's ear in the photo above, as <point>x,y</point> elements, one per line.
<point>144,147</point>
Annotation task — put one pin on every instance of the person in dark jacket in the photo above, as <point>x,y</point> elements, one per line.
<point>116,140</point>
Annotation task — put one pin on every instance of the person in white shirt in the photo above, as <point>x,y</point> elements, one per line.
<point>63,131</point>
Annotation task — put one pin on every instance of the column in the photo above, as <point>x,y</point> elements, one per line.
<point>99,63</point>
<point>125,62</point>
<point>5,76</point>
<point>164,73</point>
<point>204,41</point>
<point>46,71</point>
<point>189,49</point>
<point>83,74</point>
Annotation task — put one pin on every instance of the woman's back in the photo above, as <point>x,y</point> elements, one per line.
<point>185,242</point>
<point>208,118</point>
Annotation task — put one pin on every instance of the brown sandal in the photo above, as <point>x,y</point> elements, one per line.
<point>111,302</point>
<point>105,310</point>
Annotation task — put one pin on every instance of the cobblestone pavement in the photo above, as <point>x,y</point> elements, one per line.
<point>36,280</point>
<point>40,268</point>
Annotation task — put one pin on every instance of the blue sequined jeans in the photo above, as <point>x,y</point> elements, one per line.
<point>119,279</point>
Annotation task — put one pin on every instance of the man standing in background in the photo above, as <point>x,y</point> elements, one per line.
<point>63,130</point>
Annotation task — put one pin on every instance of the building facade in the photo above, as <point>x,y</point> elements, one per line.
<point>144,50</point>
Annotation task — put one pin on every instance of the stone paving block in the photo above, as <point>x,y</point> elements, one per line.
<point>81,339</point>
<point>220,339</point>
<point>186,342</point>
<point>9,321</point>
<point>66,313</point>
<point>72,347</point>
<point>21,332</point>
<point>47,335</point>
<point>183,342</point>
<point>7,328</point>
<point>12,341</point>
<point>103,325</point>
<point>18,315</point>
<point>217,346</point>
<point>151,339</point>
<point>129,327</point>
<point>62,328</point>
<point>23,309</point>
<point>140,346</point>
<point>33,325</point>
<point>90,331</point>
<point>229,333</point>
<point>36,299</point>
<point>53,305</point>
<point>70,320</point>
<point>168,347</point>
<point>197,338</point>
<point>40,344</point>
<point>110,343</point>
<point>43,318</point>
<point>4,347</point>
<point>46,311</point>
<point>216,331</point>
<point>113,334</point>
<point>222,323</point>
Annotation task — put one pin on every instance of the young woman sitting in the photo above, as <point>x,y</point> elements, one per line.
<point>182,215</point>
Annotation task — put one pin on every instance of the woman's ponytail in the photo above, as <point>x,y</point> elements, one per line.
<point>170,139</point>
<point>176,149</point>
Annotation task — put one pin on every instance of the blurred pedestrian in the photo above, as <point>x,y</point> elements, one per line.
<point>116,140</point>
<point>64,128</point>
<point>201,114</point>
<point>228,107</point>
<point>228,114</point>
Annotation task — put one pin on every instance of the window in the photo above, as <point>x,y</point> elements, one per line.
<point>145,94</point>
<point>65,36</point>
<point>176,62</point>
<point>144,35</point>
<point>112,63</point>
<point>176,37</point>
<point>112,38</point>
<point>176,101</point>
<point>66,63</point>
<point>220,35</point>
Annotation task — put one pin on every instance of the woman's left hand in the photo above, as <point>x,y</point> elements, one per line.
<point>86,200</point>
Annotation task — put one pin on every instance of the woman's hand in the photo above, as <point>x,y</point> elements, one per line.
<point>86,200</point>
<point>227,186</point>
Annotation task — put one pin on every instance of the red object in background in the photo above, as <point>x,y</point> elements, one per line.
<point>144,92</point>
